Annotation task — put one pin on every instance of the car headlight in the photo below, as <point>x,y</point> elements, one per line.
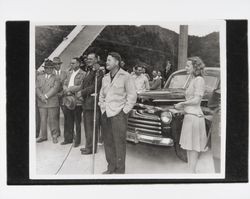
<point>166,117</point>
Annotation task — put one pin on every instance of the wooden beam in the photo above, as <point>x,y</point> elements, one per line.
<point>182,47</point>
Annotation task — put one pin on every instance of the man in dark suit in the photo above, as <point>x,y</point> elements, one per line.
<point>168,70</point>
<point>47,87</point>
<point>72,85</point>
<point>156,82</point>
<point>61,76</point>
<point>88,89</point>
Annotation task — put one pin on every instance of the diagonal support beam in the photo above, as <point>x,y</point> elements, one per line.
<point>77,42</point>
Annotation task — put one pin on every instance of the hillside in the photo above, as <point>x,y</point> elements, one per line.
<point>152,45</point>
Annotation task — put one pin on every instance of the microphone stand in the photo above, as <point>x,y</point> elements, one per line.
<point>94,128</point>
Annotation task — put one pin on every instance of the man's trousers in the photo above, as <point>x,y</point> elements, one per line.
<point>88,121</point>
<point>114,134</point>
<point>72,117</point>
<point>38,121</point>
<point>58,116</point>
<point>51,114</point>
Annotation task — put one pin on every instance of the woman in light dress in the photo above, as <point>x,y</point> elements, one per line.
<point>193,134</point>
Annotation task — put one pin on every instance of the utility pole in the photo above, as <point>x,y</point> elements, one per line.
<point>182,47</point>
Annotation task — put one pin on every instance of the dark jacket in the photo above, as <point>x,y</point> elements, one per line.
<point>88,88</point>
<point>156,84</point>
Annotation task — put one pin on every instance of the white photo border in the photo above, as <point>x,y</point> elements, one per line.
<point>32,144</point>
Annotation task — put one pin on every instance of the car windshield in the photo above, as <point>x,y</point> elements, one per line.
<point>178,81</point>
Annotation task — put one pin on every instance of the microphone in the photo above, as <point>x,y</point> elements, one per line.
<point>96,67</point>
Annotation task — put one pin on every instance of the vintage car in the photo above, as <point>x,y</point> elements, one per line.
<point>154,120</point>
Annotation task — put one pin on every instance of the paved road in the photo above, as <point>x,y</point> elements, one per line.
<point>140,159</point>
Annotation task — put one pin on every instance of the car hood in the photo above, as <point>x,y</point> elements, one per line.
<point>168,94</point>
<point>164,94</point>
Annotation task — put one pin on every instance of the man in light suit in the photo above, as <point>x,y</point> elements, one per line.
<point>61,76</point>
<point>47,87</point>
<point>72,86</point>
<point>38,120</point>
<point>141,81</point>
<point>117,98</point>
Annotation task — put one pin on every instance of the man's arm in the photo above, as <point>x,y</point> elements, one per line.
<point>131,94</point>
<point>54,90</point>
<point>156,84</point>
<point>102,98</point>
<point>76,88</point>
<point>91,89</point>
<point>39,93</point>
<point>147,83</point>
<point>66,83</point>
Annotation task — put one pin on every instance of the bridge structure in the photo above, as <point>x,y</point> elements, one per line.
<point>77,42</point>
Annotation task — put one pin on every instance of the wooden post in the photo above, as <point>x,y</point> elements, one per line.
<point>182,47</point>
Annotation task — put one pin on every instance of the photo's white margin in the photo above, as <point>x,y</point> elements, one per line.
<point>223,65</point>
<point>32,144</point>
<point>32,109</point>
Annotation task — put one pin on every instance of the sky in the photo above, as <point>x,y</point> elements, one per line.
<point>194,29</point>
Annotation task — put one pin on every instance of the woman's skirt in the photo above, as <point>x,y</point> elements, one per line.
<point>193,133</point>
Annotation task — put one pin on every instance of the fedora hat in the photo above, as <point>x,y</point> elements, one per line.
<point>57,60</point>
<point>69,102</point>
<point>48,63</point>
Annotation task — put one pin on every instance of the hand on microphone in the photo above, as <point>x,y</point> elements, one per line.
<point>96,67</point>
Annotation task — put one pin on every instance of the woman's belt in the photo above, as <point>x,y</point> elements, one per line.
<point>197,115</point>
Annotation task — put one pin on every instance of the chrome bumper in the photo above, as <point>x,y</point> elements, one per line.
<point>136,137</point>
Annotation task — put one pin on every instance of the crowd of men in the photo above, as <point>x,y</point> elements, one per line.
<point>75,92</point>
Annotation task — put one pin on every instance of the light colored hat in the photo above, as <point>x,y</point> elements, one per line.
<point>57,60</point>
<point>70,102</point>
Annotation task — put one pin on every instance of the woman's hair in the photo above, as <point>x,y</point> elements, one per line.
<point>198,66</point>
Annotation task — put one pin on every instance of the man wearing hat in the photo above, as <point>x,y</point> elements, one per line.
<point>72,103</point>
<point>47,87</point>
<point>117,98</point>
<point>61,76</point>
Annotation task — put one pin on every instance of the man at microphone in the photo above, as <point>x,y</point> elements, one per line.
<point>87,92</point>
<point>117,98</point>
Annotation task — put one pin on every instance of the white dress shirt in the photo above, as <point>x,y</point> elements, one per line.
<point>58,72</point>
<point>72,78</point>
<point>141,83</point>
<point>47,76</point>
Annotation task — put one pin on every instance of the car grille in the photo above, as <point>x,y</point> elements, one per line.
<point>144,122</point>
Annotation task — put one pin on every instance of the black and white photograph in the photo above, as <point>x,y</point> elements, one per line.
<point>124,99</point>
<point>127,100</point>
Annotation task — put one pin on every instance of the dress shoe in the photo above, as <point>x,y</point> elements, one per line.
<point>54,140</point>
<point>41,140</point>
<point>108,172</point>
<point>65,142</point>
<point>85,151</point>
<point>76,145</point>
